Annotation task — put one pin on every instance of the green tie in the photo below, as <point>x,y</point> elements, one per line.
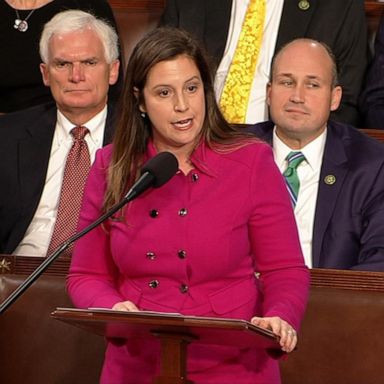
<point>290,174</point>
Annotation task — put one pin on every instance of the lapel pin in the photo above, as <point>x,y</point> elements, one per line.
<point>330,179</point>
<point>304,5</point>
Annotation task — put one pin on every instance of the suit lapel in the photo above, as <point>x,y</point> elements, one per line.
<point>263,131</point>
<point>33,154</point>
<point>301,19</point>
<point>208,21</point>
<point>333,172</point>
<point>216,26</point>
<point>110,125</point>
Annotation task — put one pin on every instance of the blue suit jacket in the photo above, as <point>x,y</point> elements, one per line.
<point>25,146</point>
<point>348,228</point>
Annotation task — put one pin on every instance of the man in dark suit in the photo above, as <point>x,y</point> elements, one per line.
<point>79,65</point>
<point>341,24</point>
<point>340,203</point>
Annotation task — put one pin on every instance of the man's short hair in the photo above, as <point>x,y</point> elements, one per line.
<point>335,70</point>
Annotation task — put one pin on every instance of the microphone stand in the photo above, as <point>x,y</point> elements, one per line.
<point>155,173</point>
<point>132,193</point>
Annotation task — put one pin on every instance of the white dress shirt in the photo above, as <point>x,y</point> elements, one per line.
<point>309,174</point>
<point>257,107</point>
<point>38,235</point>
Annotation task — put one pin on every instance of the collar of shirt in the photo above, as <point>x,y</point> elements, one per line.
<point>313,151</point>
<point>95,127</point>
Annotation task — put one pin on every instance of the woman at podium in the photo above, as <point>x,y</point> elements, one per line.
<point>218,239</point>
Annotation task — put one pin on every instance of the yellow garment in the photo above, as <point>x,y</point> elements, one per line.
<point>235,96</point>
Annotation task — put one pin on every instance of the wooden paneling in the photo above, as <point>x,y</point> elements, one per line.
<point>25,265</point>
<point>137,4</point>
<point>340,340</point>
<point>134,19</point>
<point>377,134</point>
<point>373,11</point>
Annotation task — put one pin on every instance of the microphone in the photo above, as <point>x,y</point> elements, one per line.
<point>155,172</point>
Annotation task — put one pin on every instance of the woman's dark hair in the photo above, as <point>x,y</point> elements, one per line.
<point>133,131</point>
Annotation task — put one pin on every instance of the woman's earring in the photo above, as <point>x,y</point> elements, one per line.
<point>143,115</point>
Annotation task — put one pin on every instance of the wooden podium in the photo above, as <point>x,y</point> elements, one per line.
<point>174,332</point>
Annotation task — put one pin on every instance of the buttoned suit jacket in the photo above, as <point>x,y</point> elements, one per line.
<point>341,24</point>
<point>348,228</point>
<point>25,146</point>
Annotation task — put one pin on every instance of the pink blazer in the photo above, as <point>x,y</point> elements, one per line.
<point>193,246</point>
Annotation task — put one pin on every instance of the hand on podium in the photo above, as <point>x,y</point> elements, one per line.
<point>288,336</point>
<point>125,306</point>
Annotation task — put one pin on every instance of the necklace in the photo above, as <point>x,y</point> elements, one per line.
<point>22,25</point>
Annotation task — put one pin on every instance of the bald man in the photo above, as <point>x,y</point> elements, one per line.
<point>339,207</point>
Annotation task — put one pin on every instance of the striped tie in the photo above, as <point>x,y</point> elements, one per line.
<point>290,174</point>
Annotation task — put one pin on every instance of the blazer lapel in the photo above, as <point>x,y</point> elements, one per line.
<point>300,17</point>
<point>333,172</point>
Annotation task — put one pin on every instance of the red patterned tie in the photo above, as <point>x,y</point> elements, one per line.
<point>75,173</point>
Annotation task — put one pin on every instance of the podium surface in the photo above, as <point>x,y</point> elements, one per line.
<point>174,331</point>
<point>204,330</point>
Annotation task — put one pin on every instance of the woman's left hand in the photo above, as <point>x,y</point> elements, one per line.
<point>288,336</point>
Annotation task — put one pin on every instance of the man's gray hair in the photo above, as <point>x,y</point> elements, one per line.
<point>76,20</point>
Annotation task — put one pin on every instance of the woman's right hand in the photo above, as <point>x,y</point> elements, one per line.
<point>127,306</point>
